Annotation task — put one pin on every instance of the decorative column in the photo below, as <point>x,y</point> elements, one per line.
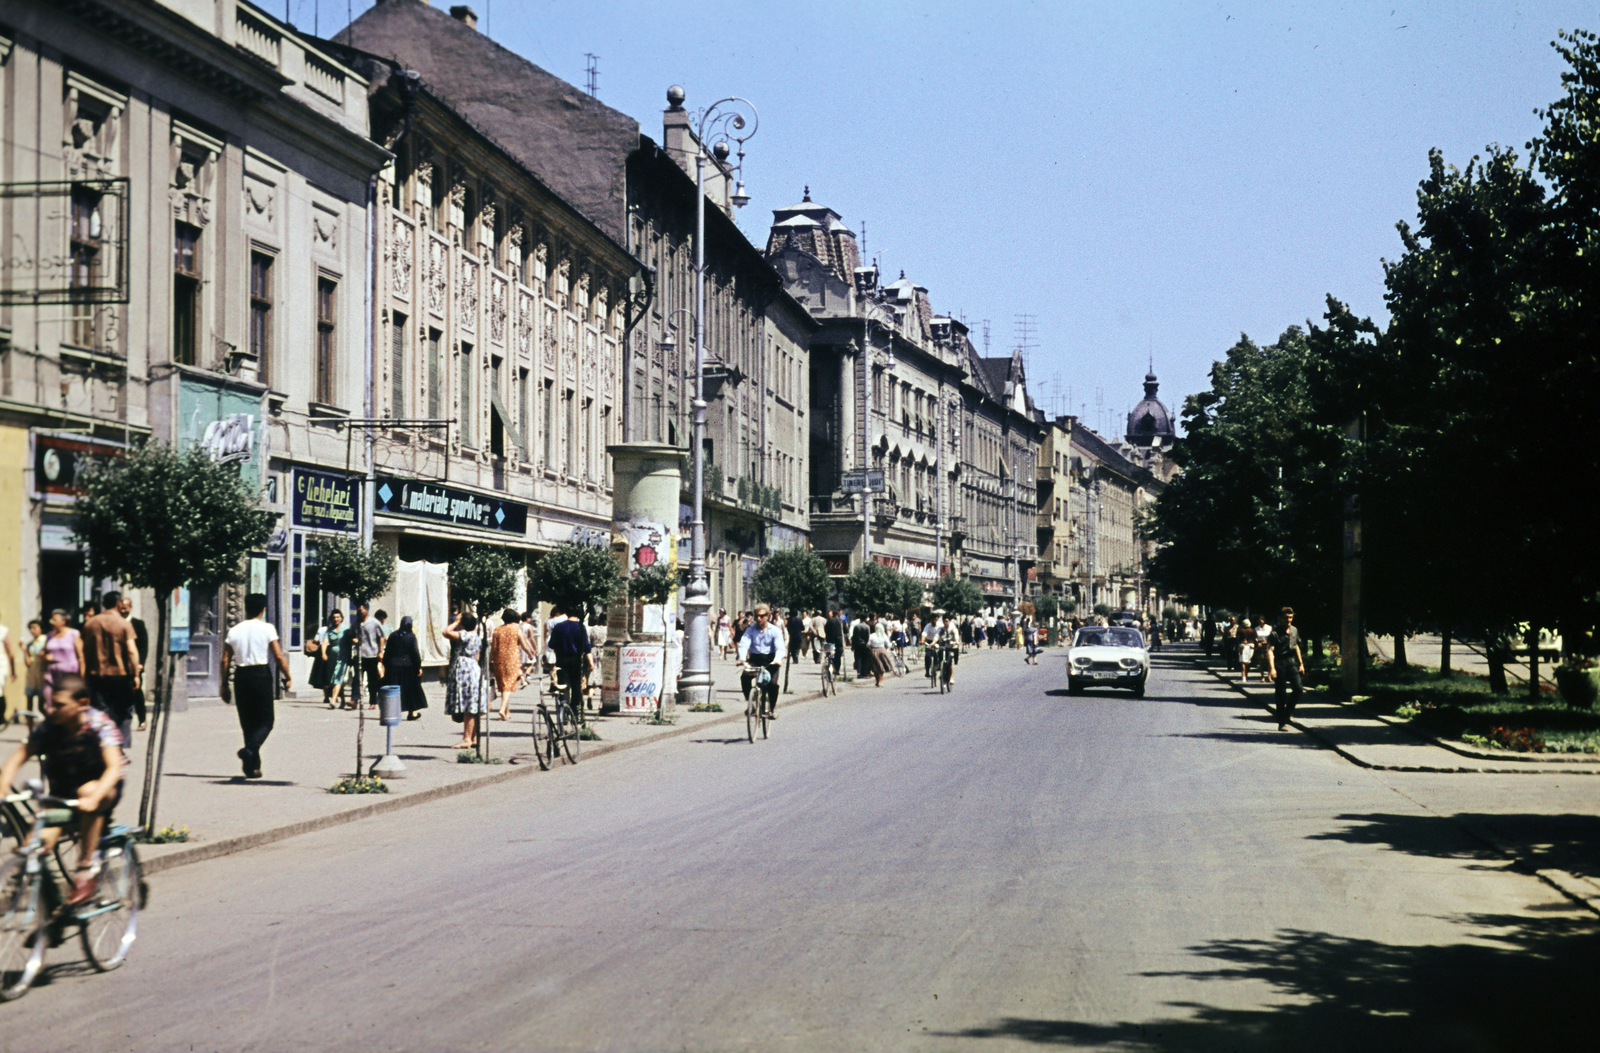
<point>643,655</point>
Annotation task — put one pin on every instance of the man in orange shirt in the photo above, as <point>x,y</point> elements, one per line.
<point>109,638</point>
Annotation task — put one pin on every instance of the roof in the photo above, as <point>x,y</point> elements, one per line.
<point>574,143</point>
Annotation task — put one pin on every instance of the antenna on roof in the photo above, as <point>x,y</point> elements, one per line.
<point>864,254</point>
<point>592,74</point>
<point>986,338</point>
<point>1026,326</point>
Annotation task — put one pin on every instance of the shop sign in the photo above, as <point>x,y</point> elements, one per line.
<point>431,503</point>
<point>838,566</point>
<point>325,502</point>
<point>589,537</point>
<point>223,422</point>
<point>996,588</point>
<point>892,562</point>
<point>59,463</point>
<point>923,570</point>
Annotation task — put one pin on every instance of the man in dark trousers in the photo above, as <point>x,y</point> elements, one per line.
<point>833,636</point>
<point>251,648</point>
<point>860,632</point>
<point>570,642</point>
<point>112,651</point>
<point>141,637</point>
<point>1287,665</point>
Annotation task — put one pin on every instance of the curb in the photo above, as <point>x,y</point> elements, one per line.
<point>243,842</point>
<point>1362,762</point>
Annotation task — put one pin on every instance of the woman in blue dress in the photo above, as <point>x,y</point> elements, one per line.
<point>331,657</point>
<point>463,698</point>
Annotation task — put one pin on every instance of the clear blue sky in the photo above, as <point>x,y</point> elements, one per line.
<point>1144,178</point>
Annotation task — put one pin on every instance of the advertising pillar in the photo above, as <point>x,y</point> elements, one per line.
<point>643,653</point>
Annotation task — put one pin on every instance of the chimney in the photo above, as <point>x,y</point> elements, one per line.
<point>463,13</point>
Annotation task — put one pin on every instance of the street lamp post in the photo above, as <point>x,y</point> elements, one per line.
<point>731,118</point>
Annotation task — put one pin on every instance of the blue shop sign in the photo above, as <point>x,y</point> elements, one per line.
<point>432,503</point>
<point>325,502</point>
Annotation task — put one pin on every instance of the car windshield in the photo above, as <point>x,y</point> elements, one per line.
<point>1108,637</point>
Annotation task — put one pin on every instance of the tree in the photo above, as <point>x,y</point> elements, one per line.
<point>348,570</point>
<point>875,589</point>
<point>794,579</point>
<point>484,577</point>
<point>1046,607</point>
<point>159,519</point>
<point>957,596</point>
<point>576,578</point>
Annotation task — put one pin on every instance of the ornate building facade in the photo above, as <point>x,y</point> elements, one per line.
<point>898,390</point>
<point>185,215</point>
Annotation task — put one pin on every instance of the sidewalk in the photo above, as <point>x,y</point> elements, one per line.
<point>1386,744</point>
<point>311,747</point>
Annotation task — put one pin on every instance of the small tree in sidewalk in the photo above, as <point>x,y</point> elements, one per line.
<point>794,579</point>
<point>577,578</point>
<point>484,577</point>
<point>359,574</point>
<point>958,596</point>
<point>159,519</point>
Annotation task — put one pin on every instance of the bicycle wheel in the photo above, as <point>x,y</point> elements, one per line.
<point>22,924</point>
<point>543,737</point>
<point>944,676</point>
<point>765,708</point>
<point>750,707</point>
<point>109,922</point>
<point>567,731</point>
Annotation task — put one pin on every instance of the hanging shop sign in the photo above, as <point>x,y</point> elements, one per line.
<point>446,505</point>
<point>838,566</point>
<point>223,422</point>
<point>325,502</point>
<point>59,463</point>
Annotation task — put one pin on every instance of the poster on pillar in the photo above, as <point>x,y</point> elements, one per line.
<point>639,675</point>
<point>642,544</point>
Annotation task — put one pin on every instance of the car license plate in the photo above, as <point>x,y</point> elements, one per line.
<point>1104,676</point>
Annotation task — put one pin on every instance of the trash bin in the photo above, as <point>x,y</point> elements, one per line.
<point>389,706</point>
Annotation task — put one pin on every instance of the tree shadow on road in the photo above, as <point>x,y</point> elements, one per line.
<point>1511,983</point>
<point>1569,842</point>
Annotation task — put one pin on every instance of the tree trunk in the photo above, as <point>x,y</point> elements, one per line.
<point>1444,654</point>
<point>1399,650</point>
<point>1495,652</point>
<point>1533,661</point>
<point>161,715</point>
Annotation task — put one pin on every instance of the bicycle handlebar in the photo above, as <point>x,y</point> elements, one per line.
<point>43,798</point>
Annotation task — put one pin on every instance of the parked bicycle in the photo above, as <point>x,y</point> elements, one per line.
<point>555,731</point>
<point>34,913</point>
<point>830,686</point>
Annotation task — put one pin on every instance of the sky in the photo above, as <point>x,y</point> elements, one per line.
<point>1147,181</point>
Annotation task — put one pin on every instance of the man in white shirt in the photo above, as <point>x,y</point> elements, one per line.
<point>248,648</point>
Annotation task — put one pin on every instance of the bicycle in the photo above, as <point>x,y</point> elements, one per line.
<point>560,729</point>
<point>900,668</point>
<point>943,663</point>
<point>33,909</point>
<point>758,709</point>
<point>829,684</point>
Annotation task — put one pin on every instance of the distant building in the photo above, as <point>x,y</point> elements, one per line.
<point>901,391</point>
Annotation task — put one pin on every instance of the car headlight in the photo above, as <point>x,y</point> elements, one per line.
<point>1080,660</point>
<point>1130,663</point>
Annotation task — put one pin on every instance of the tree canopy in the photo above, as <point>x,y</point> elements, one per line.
<point>576,578</point>
<point>794,579</point>
<point>348,570</point>
<point>957,596</point>
<point>484,577</point>
<point>875,589</point>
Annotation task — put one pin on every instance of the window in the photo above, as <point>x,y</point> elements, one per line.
<point>435,375</point>
<point>549,424</point>
<point>85,251</point>
<point>465,417</point>
<point>522,412</point>
<point>261,313</point>
<point>185,293</point>
<point>397,364</point>
<point>586,453</point>
<point>569,463</point>
<point>327,290</point>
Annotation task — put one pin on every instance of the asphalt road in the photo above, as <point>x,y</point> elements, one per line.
<point>1002,868</point>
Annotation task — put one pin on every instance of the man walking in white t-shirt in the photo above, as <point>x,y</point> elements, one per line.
<point>249,646</point>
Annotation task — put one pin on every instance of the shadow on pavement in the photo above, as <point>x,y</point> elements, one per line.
<point>1567,842</point>
<point>1521,984</point>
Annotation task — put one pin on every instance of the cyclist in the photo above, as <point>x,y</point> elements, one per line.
<point>941,638</point>
<point>80,751</point>
<point>761,646</point>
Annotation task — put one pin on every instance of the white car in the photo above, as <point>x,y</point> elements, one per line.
<point>1107,656</point>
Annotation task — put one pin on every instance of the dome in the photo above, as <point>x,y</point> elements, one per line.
<point>1150,424</point>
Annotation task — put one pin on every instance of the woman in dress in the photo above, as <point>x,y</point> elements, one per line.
<point>878,645</point>
<point>33,686</point>
<point>63,653</point>
<point>402,668</point>
<point>464,690</point>
<point>1247,652</point>
<point>724,631</point>
<point>507,651</point>
<point>330,644</point>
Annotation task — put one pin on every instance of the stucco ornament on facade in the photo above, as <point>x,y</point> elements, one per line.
<point>400,259</point>
<point>438,276</point>
<point>497,310</point>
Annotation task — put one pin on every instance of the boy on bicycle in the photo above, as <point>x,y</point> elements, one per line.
<point>80,753</point>
<point>938,636</point>
<point>761,646</point>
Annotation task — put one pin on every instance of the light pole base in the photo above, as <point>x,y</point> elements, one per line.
<point>388,767</point>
